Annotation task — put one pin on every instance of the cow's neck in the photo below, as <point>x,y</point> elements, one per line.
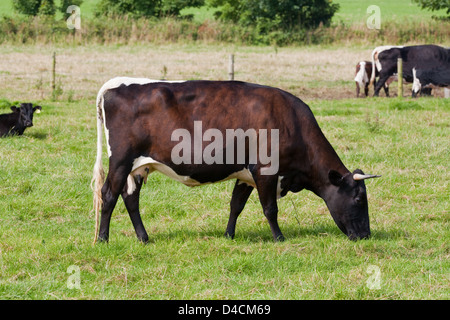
<point>323,158</point>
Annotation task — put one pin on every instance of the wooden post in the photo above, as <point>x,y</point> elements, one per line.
<point>231,68</point>
<point>53,73</point>
<point>400,77</point>
<point>446,93</point>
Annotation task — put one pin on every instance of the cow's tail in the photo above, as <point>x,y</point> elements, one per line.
<point>98,174</point>
<point>372,76</point>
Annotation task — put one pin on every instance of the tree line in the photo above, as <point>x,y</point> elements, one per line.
<point>277,22</point>
<point>265,15</point>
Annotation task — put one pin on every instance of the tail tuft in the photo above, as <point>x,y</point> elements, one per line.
<point>96,185</point>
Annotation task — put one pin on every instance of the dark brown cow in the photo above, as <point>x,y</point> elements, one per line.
<point>178,128</point>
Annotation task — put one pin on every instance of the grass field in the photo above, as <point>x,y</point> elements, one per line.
<point>46,218</point>
<point>47,224</point>
<point>355,11</point>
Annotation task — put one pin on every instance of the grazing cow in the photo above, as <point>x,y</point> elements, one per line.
<point>149,127</point>
<point>423,79</point>
<point>424,57</point>
<point>362,75</point>
<point>16,122</point>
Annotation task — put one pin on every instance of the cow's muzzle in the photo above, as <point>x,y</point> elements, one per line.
<point>354,237</point>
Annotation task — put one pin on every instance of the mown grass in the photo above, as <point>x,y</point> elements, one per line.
<point>46,222</point>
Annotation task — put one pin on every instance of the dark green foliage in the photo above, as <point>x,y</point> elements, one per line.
<point>273,15</point>
<point>145,8</point>
<point>135,7</point>
<point>43,7</point>
<point>47,8</point>
<point>434,5</point>
<point>35,7</point>
<point>27,7</point>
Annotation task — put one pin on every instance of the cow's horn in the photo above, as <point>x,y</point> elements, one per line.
<point>358,176</point>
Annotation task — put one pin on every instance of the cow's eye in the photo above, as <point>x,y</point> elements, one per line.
<point>359,200</point>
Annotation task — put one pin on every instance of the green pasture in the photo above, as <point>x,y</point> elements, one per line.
<point>47,226</point>
<point>47,222</point>
<point>355,11</point>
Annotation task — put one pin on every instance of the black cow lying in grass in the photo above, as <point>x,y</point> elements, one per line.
<point>16,122</point>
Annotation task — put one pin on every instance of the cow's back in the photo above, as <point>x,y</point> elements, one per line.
<point>218,104</point>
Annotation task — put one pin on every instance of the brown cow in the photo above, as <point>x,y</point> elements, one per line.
<point>178,129</point>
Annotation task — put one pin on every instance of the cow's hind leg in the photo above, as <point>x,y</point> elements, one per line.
<point>357,89</point>
<point>267,191</point>
<point>241,192</point>
<point>386,89</point>
<point>132,204</point>
<point>111,190</point>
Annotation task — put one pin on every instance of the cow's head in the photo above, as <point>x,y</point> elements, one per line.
<point>347,202</point>
<point>25,112</point>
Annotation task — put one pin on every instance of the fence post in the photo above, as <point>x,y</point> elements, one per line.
<point>446,93</point>
<point>53,73</point>
<point>400,77</point>
<point>231,68</point>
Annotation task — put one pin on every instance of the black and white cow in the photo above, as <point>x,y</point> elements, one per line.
<point>432,78</point>
<point>16,122</point>
<point>199,132</point>
<point>423,57</point>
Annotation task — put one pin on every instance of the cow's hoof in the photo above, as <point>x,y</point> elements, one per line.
<point>229,236</point>
<point>102,239</point>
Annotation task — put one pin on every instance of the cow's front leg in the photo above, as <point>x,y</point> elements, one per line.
<point>132,204</point>
<point>386,89</point>
<point>267,191</point>
<point>241,192</point>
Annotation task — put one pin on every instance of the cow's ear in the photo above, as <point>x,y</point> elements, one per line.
<point>335,178</point>
<point>14,109</point>
<point>37,109</point>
